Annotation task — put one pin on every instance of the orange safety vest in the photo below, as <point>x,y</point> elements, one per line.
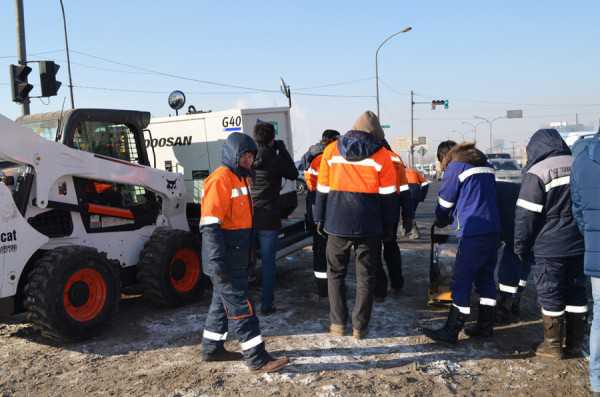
<point>226,201</point>
<point>401,176</point>
<point>416,178</point>
<point>311,175</point>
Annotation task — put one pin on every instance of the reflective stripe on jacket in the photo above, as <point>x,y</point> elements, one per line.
<point>357,198</point>
<point>312,173</point>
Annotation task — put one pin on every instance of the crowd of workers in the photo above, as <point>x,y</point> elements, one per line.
<point>360,192</point>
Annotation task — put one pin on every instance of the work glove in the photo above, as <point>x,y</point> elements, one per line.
<point>321,229</point>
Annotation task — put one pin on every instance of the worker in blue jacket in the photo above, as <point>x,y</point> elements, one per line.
<point>585,195</point>
<point>512,273</point>
<point>468,197</point>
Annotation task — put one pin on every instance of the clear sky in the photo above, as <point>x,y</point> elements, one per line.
<point>485,57</point>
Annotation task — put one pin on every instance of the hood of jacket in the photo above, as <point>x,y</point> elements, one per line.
<point>465,153</point>
<point>358,145</point>
<point>236,145</point>
<point>543,144</point>
<point>369,123</point>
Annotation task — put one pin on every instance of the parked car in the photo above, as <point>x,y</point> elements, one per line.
<point>507,170</point>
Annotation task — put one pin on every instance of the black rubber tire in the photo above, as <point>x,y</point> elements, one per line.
<point>154,268</point>
<point>44,292</point>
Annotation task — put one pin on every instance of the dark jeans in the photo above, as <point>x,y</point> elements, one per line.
<point>267,241</point>
<point>512,274</point>
<point>475,264</point>
<point>368,251</point>
<point>560,285</point>
<point>393,262</point>
<point>230,302</point>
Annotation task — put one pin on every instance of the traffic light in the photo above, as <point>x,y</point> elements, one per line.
<point>20,87</point>
<point>436,102</point>
<point>48,83</point>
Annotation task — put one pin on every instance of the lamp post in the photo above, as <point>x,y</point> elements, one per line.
<point>474,126</point>
<point>490,122</point>
<point>407,29</point>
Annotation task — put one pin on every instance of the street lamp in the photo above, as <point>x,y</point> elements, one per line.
<point>474,128</point>
<point>62,8</point>
<point>490,122</point>
<point>407,29</point>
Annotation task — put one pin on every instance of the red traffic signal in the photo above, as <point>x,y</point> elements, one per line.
<point>19,86</point>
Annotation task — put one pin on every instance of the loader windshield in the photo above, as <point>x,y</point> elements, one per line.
<point>18,180</point>
<point>46,128</point>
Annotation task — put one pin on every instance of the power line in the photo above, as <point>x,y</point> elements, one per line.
<point>335,84</point>
<point>113,89</point>
<point>174,76</point>
<point>32,54</point>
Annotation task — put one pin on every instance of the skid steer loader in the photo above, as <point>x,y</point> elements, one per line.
<point>83,215</point>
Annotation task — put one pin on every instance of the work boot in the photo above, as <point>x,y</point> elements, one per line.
<point>515,307</point>
<point>449,332</point>
<point>551,347</point>
<point>337,330</point>
<point>504,306</point>
<point>414,232</point>
<point>273,365</point>
<point>484,328</point>
<point>221,355</point>
<point>359,334</point>
<point>575,331</point>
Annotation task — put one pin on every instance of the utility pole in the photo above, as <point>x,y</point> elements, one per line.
<point>21,49</point>
<point>412,129</point>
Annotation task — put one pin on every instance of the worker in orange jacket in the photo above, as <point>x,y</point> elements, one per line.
<point>356,196</point>
<point>419,187</point>
<point>391,251</point>
<point>226,227</point>
<point>310,164</point>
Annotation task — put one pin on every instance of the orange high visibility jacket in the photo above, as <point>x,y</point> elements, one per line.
<point>312,173</point>
<point>356,198</point>
<point>416,178</point>
<point>401,177</point>
<point>225,201</point>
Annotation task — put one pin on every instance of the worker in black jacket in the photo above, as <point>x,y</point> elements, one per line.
<point>546,228</point>
<point>273,162</point>
<point>512,273</point>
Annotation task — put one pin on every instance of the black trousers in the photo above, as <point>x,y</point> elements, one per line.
<point>320,262</point>
<point>393,262</point>
<point>368,253</point>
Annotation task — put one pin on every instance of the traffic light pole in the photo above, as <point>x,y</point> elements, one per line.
<point>21,49</point>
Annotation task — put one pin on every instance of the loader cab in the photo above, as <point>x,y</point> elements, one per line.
<point>113,135</point>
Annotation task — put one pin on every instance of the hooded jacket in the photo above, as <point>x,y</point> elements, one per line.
<point>544,222</point>
<point>585,194</point>
<point>310,163</point>
<point>226,207</point>
<point>356,189</point>
<point>468,192</point>
<point>272,163</point>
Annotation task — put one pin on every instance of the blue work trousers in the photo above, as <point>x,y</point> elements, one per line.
<point>512,273</point>
<point>475,264</point>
